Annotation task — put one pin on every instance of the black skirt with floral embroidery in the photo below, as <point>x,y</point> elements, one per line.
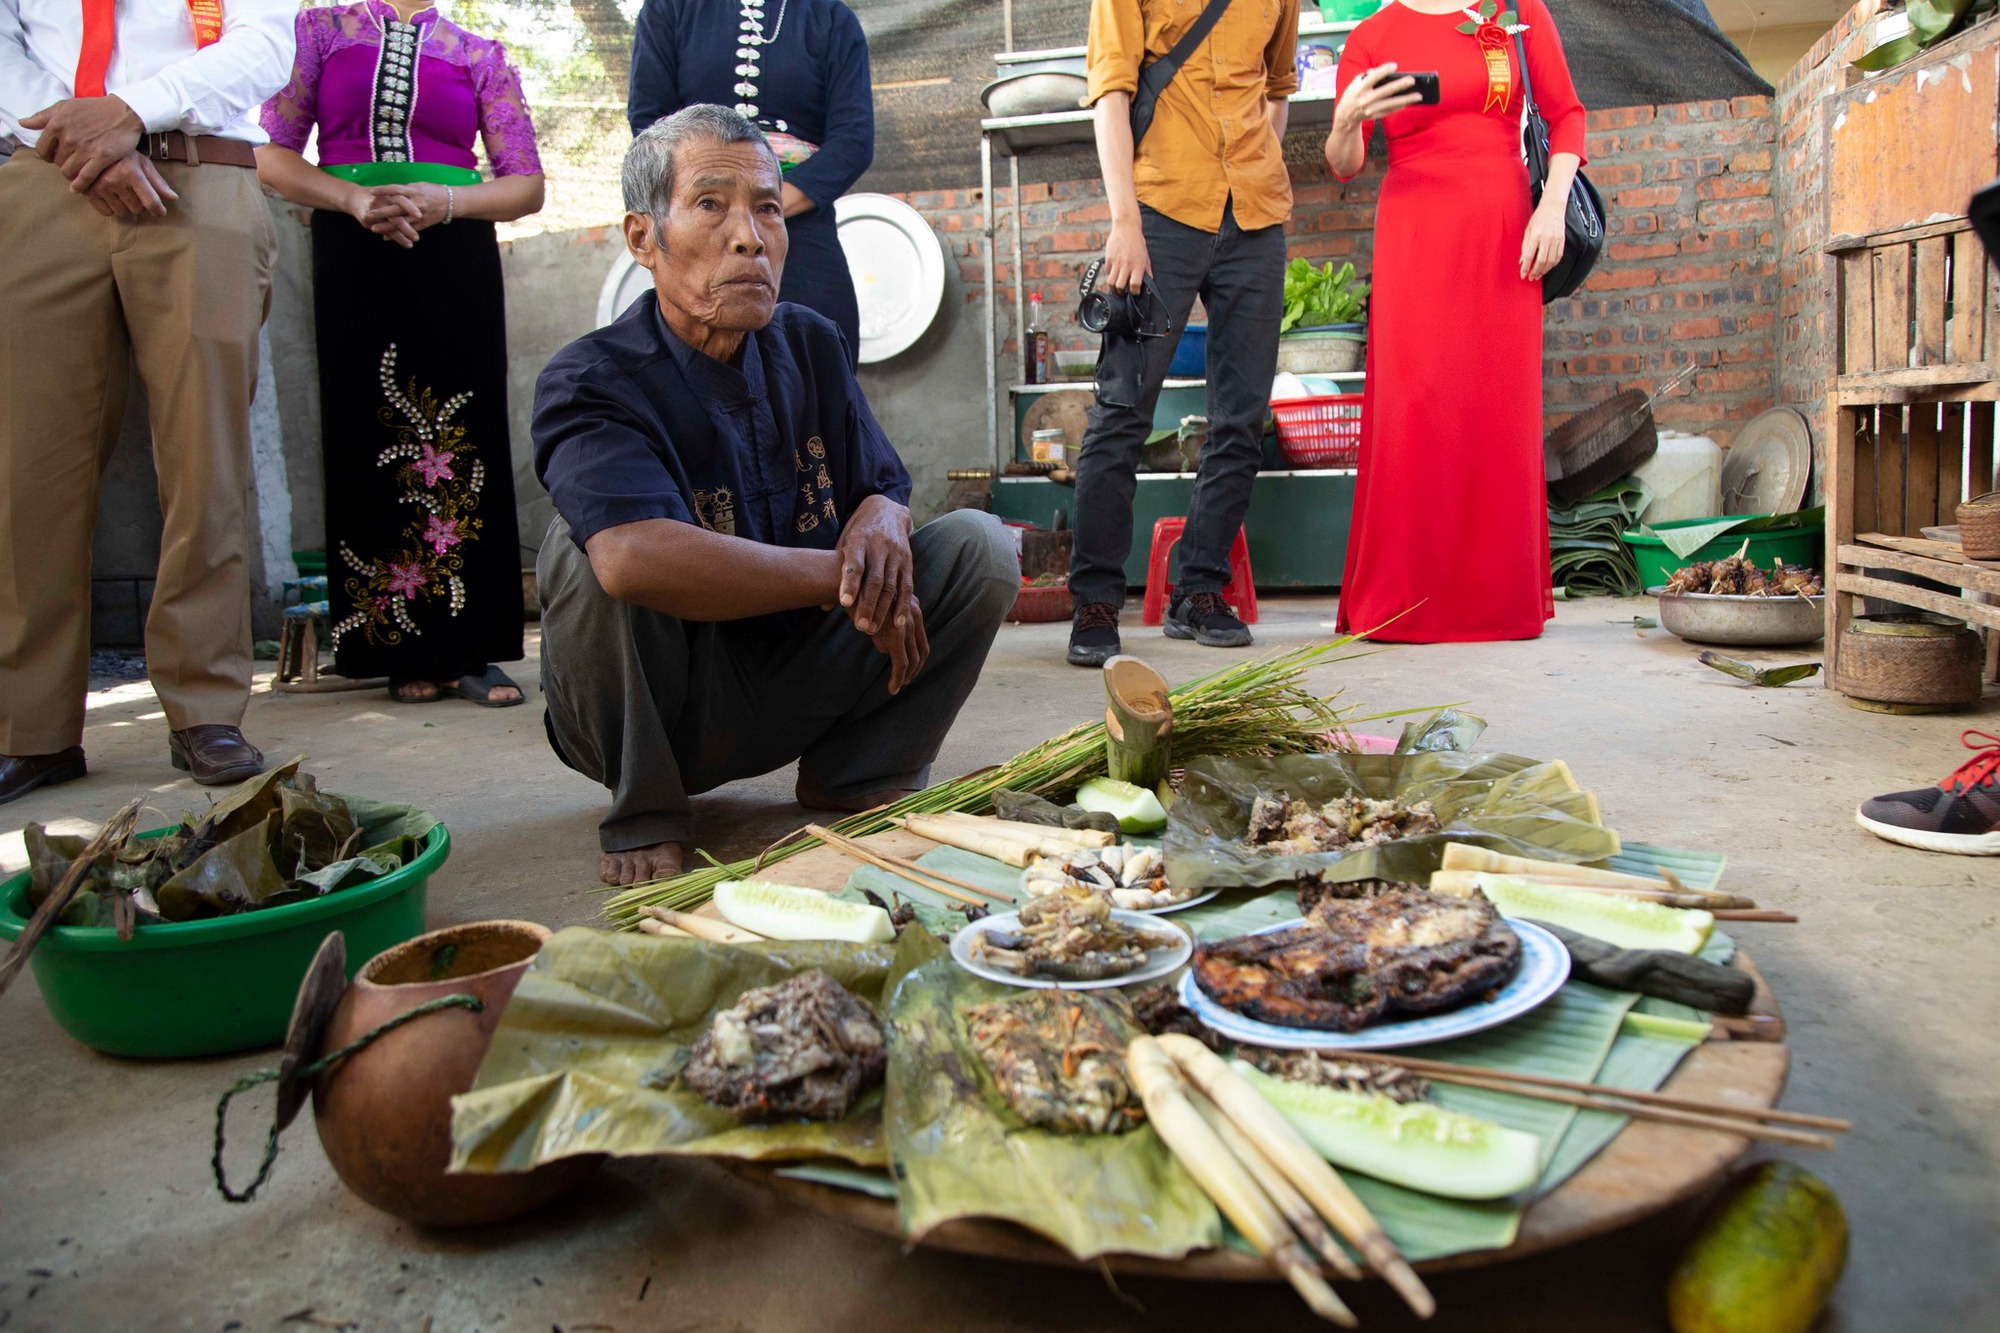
<point>423,550</point>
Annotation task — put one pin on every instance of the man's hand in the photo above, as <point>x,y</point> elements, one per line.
<point>84,136</point>
<point>875,580</point>
<point>906,644</point>
<point>131,187</point>
<point>1126,263</point>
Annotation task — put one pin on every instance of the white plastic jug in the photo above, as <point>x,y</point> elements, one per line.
<point>1685,478</point>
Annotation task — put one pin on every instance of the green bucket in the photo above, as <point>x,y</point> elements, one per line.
<point>1795,546</point>
<point>209,987</point>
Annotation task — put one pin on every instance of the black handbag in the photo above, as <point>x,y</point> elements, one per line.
<point>1583,219</point>
<point>1154,76</point>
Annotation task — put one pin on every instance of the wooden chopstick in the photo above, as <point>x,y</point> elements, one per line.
<point>918,875</point>
<point>1755,914</point>
<point>1746,1128</point>
<point>1443,1069</point>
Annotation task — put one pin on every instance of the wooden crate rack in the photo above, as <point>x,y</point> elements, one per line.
<point>1919,337</point>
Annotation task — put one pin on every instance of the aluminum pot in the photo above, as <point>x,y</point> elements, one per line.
<point>384,1113</point>
<point>1033,94</point>
<point>1763,622</point>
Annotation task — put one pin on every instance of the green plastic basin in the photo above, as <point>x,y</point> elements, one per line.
<point>1795,546</point>
<point>210,987</point>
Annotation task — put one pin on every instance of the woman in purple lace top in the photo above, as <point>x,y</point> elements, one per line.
<point>423,556</point>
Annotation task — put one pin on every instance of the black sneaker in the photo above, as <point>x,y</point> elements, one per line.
<point>1208,620</point>
<point>1961,814</point>
<point>1093,634</point>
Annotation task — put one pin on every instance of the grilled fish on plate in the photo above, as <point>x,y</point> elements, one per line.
<point>1360,961</point>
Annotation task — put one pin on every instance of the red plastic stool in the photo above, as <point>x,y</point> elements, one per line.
<point>1242,593</point>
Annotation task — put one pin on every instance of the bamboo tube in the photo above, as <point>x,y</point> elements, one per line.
<point>1138,723</point>
<point>1081,837</point>
<point>980,842</point>
<point>1038,841</point>
<point>1464,856</point>
<point>1306,1169</point>
<point>1290,1203</point>
<point>1461,883</point>
<point>648,926</point>
<point>704,927</point>
<point>1208,1159</point>
<point>933,880</point>
<point>1419,1065</point>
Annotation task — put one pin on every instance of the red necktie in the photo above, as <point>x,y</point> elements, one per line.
<point>95,57</point>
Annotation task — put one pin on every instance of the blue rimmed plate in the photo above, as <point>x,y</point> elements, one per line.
<point>1544,968</point>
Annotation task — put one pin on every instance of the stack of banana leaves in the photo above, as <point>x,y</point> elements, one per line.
<point>1586,559</point>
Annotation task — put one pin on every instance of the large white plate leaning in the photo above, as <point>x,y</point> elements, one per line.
<point>1544,968</point>
<point>897,263</point>
<point>1158,963</point>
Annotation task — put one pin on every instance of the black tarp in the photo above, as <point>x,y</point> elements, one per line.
<point>931,57</point>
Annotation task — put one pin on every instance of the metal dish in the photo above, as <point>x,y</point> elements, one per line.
<point>1033,94</point>
<point>1766,622</point>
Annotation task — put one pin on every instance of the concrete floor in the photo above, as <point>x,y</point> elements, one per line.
<point>108,1219</point>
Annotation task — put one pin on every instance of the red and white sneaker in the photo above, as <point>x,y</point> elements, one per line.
<point>1961,814</point>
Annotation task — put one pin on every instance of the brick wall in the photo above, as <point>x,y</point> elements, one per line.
<point>1690,271</point>
<point>1806,333</point>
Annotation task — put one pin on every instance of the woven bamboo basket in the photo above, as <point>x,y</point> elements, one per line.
<point>1912,662</point>
<point>1979,527</point>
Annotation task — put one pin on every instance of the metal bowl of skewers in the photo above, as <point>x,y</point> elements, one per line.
<point>1734,602</point>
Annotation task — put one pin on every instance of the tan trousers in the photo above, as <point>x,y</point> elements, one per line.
<point>184,297</point>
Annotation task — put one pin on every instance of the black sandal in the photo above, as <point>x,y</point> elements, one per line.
<point>479,689</point>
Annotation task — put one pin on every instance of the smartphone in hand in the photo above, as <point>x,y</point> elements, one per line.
<point>1425,86</point>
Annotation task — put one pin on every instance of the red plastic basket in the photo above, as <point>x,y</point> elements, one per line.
<point>1319,432</point>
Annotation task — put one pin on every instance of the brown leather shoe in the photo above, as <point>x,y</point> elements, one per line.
<point>22,773</point>
<point>216,755</point>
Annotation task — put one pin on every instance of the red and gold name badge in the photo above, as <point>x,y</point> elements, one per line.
<point>207,16</point>
<point>1494,30</point>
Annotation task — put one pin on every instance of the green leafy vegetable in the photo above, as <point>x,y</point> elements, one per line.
<point>1316,296</point>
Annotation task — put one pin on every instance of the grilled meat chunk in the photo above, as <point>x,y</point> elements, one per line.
<point>1358,961</point>
<point>804,1047</point>
<point>1058,1060</point>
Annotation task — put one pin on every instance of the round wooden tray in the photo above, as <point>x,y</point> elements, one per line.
<point>1648,1168</point>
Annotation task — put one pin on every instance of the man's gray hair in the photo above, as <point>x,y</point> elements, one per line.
<point>649,163</point>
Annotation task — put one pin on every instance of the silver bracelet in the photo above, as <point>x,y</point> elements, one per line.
<point>447,203</point>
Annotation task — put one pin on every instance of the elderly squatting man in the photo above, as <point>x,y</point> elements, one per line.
<point>731,582</point>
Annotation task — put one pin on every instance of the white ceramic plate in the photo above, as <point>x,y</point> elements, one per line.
<point>898,266</point>
<point>1158,963</point>
<point>1544,968</point>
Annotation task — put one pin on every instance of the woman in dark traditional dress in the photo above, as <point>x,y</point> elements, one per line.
<point>424,561</point>
<point>799,69</point>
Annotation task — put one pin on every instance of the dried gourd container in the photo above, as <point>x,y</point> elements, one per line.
<point>1909,662</point>
<point>1979,527</point>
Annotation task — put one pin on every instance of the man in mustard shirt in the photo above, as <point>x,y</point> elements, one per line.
<point>1197,210</point>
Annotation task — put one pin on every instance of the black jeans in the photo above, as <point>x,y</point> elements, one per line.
<point>1240,277</point>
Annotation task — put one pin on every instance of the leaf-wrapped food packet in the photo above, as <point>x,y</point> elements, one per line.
<point>315,828</point>
<point>49,858</point>
<point>244,806</point>
<point>1520,806</point>
<point>237,875</point>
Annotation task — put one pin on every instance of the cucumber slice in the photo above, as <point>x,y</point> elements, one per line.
<point>1626,922</point>
<point>1136,809</point>
<point>1416,1145</point>
<point>781,912</point>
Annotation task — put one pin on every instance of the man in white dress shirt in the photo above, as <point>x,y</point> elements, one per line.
<point>131,223</point>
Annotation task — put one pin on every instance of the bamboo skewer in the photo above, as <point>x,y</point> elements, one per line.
<point>1743,1127</point>
<point>1756,914</point>
<point>1460,883</point>
<point>1464,856</point>
<point>1447,1071</point>
<point>921,876</point>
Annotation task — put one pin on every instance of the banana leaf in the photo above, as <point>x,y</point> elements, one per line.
<point>346,873</point>
<point>236,875</point>
<point>959,1152</point>
<point>1522,807</point>
<point>245,806</point>
<point>587,1055</point>
<point>315,827</point>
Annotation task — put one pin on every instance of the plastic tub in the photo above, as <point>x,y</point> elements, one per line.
<point>1190,354</point>
<point>1794,546</point>
<point>210,987</point>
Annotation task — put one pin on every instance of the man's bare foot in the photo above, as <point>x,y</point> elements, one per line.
<point>638,865</point>
<point>809,795</point>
